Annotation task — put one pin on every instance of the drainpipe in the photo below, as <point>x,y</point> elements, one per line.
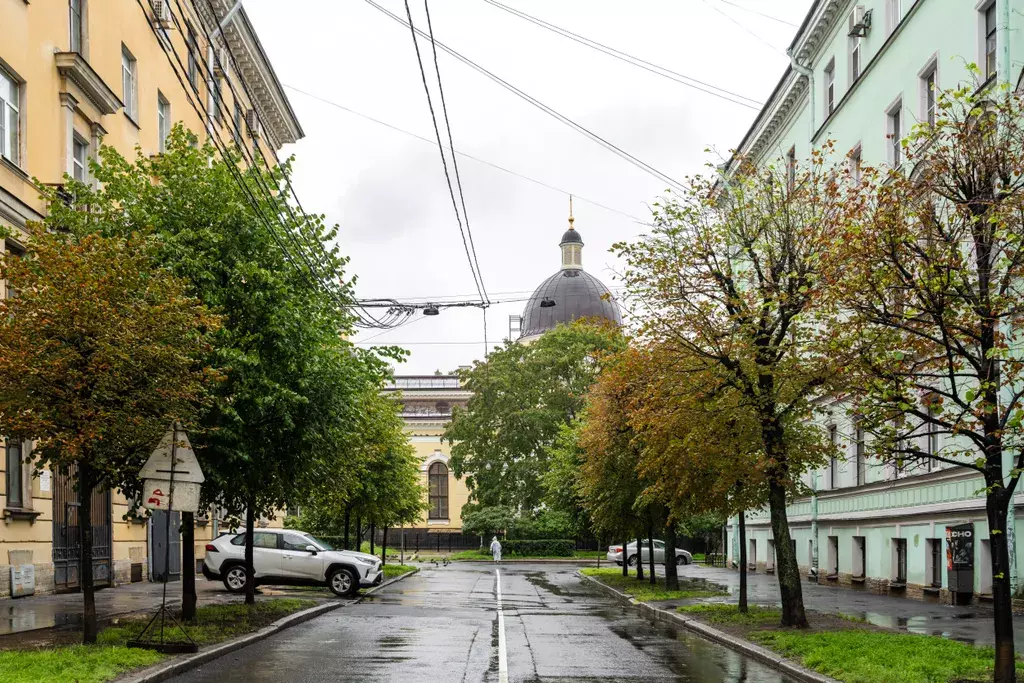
<point>809,74</point>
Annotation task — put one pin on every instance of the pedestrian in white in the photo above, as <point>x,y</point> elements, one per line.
<point>496,549</point>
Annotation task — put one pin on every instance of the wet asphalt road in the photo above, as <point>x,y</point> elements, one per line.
<point>445,624</point>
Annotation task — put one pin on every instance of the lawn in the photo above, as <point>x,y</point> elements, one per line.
<point>721,614</point>
<point>875,656</point>
<point>645,592</point>
<point>485,554</point>
<point>392,570</point>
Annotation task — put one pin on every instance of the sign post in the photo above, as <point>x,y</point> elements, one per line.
<point>172,480</point>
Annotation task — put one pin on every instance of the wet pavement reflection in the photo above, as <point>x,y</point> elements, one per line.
<point>443,623</point>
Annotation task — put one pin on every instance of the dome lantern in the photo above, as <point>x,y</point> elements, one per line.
<point>571,244</point>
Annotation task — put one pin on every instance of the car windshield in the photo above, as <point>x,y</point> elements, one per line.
<point>322,544</point>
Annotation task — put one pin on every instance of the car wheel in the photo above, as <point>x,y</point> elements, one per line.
<point>343,582</point>
<point>681,561</point>
<point>234,579</point>
<point>632,560</point>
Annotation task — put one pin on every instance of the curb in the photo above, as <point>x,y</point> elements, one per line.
<point>569,560</point>
<point>165,670</point>
<point>763,655</point>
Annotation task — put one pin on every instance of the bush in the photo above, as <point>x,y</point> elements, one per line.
<point>547,524</point>
<point>547,547</point>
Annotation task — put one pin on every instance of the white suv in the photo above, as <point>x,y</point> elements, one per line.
<point>290,557</point>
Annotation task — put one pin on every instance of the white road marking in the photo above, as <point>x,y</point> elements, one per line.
<point>502,656</point>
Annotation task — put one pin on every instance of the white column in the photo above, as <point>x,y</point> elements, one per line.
<point>69,104</point>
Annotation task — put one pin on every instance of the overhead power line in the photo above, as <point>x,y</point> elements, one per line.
<point>440,145</point>
<point>497,167</point>
<point>710,4</point>
<point>762,14</point>
<point>540,105</point>
<point>688,81</point>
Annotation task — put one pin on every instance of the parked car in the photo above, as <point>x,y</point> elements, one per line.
<point>615,553</point>
<point>290,557</point>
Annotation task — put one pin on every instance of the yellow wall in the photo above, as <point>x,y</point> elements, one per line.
<point>31,33</point>
<point>426,440</point>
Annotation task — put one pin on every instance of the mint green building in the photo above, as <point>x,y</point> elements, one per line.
<point>862,74</point>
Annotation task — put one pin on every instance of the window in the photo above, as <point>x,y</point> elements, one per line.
<point>859,453</point>
<point>855,45</point>
<point>237,130</point>
<point>830,87</point>
<point>990,41</point>
<point>193,64</point>
<point>15,480</point>
<point>295,542</point>
<point>856,165</point>
<point>79,153</point>
<point>10,118</point>
<point>163,120</point>
<point>833,557</point>
<point>895,133</point>
<point>900,552</point>
<point>260,539</point>
<point>893,15</point>
<point>791,168</point>
<point>833,463</point>
<point>860,558</point>
<point>75,24</point>
<point>437,478</point>
<point>928,96</point>
<point>934,562</point>
<point>931,437</point>
<point>129,83</point>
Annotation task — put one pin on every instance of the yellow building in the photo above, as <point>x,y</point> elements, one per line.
<point>427,402</point>
<point>75,74</point>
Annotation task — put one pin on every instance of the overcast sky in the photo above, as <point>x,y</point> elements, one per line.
<point>387,190</point>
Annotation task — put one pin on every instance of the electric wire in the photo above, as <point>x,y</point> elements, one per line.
<point>462,154</point>
<point>754,11</point>
<point>742,26</point>
<point>440,144</point>
<point>647,168</point>
<point>455,162</point>
<point>653,68</point>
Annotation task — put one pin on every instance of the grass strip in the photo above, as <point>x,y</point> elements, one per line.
<point>486,555</point>
<point>720,613</point>
<point>645,592</point>
<point>214,623</point>
<point>869,656</point>
<point>393,570</point>
<point>80,663</point>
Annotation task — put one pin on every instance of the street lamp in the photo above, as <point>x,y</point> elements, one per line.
<point>547,302</point>
<point>431,310</point>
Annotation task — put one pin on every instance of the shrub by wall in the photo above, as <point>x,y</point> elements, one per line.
<point>553,547</point>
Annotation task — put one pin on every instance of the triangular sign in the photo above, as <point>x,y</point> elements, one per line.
<point>186,467</point>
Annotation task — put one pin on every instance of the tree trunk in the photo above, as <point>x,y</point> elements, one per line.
<point>348,515</point>
<point>188,569</point>
<point>996,505</point>
<point>625,565</point>
<point>671,574</point>
<point>743,561</point>
<point>359,535</point>
<point>373,539</point>
<point>384,548</point>
<point>650,550</point>
<point>85,486</point>
<point>790,589</point>
<point>639,559</point>
<point>250,572</point>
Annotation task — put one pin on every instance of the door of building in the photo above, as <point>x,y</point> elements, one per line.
<point>161,542</point>
<point>67,547</point>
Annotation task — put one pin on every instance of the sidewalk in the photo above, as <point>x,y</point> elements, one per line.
<point>970,624</point>
<point>64,610</point>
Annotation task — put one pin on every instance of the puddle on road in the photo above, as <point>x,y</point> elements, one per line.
<point>540,580</point>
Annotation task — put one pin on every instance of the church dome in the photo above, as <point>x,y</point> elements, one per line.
<point>569,294</point>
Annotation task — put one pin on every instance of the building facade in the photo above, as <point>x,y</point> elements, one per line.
<point>863,72</point>
<point>427,402</point>
<point>74,75</point>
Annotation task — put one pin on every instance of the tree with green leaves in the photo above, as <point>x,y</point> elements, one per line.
<point>290,401</point>
<point>929,291</point>
<point>522,395</point>
<point>101,349</point>
<point>730,273</point>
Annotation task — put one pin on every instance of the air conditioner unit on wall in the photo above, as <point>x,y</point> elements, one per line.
<point>252,122</point>
<point>860,22</point>
<point>162,14</point>
<point>220,62</point>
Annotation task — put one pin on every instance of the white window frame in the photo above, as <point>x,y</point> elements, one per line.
<point>856,44</point>
<point>192,47</point>
<point>833,459</point>
<point>830,87</point>
<point>80,163</point>
<point>10,118</point>
<point>929,97</point>
<point>894,125</point>
<point>130,83</point>
<point>893,15</point>
<point>983,39</point>
<point>163,120</point>
<point>856,158</point>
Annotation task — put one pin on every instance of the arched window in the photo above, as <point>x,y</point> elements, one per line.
<point>437,477</point>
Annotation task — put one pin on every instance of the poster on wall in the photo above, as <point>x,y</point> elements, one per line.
<point>960,547</point>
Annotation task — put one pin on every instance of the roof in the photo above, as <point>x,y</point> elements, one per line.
<point>576,294</point>
<point>571,236</point>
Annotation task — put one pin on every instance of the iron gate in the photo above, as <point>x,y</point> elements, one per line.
<point>67,547</point>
